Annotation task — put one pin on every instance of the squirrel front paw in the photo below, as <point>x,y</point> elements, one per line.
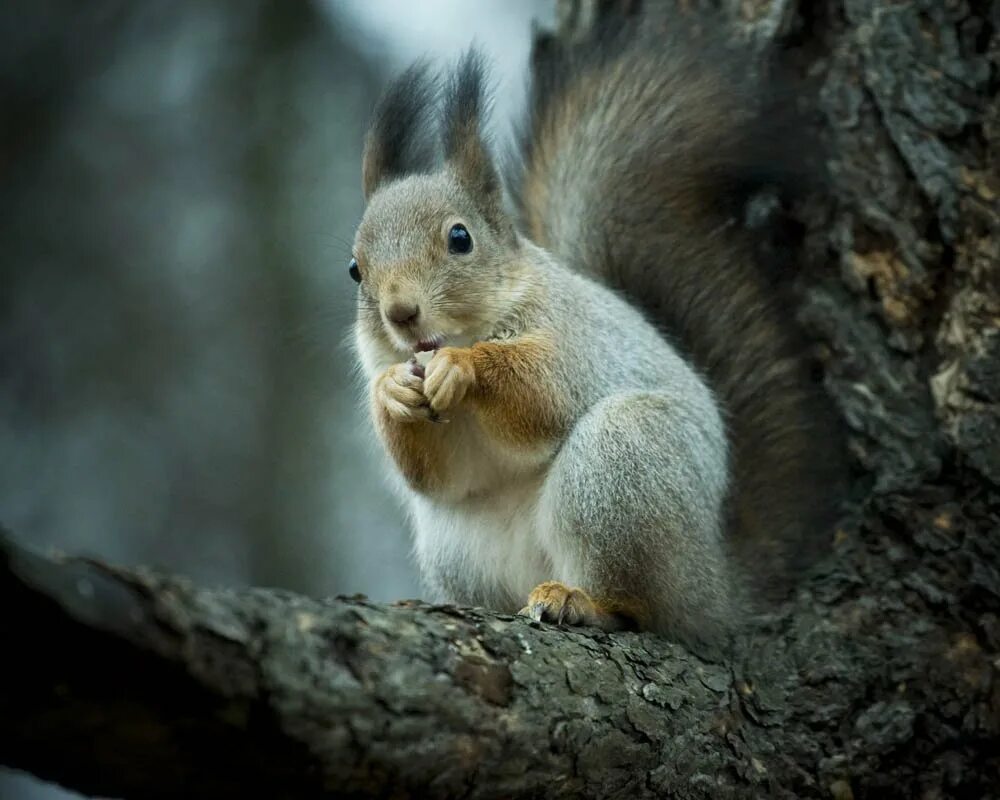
<point>449,375</point>
<point>401,393</point>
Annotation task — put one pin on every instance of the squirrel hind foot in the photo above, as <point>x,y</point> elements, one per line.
<point>555,602</point>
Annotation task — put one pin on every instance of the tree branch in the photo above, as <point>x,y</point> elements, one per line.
<point>131,683</point>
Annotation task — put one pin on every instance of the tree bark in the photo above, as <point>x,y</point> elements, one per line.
<point>881,678</point>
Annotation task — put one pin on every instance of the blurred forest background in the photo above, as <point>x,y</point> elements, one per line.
<point>181,182</point>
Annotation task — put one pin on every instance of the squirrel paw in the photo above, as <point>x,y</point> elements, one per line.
<point>555,602</point>
<point>401,394</point>
<point>449,374</point>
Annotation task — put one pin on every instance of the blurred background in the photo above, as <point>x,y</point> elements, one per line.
<point>180,186</point>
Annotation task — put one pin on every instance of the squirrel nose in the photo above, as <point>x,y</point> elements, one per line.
<point>403,313</point>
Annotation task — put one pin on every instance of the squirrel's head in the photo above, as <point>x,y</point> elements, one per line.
<point>436,257</point>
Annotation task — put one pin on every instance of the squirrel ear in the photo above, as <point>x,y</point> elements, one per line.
<point>464,110</point>
<point>397,141</point>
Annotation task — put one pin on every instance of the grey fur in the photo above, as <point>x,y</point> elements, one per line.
<point>653,212</point>
<point>631,491</point>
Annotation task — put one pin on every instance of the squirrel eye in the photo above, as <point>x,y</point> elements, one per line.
<point>459,239</point>
<point>353,271</point>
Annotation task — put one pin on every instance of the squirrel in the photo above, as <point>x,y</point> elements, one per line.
<point>617,425</point>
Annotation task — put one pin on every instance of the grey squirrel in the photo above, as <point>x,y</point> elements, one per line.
<point>616,426</point>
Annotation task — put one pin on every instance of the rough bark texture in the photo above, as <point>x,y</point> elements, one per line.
<point>881,679</point>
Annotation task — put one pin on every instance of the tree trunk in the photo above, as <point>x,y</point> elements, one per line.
<point>882,678</point>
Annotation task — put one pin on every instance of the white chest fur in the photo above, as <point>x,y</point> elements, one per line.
<point>478,543</point>
<point>483,550</point>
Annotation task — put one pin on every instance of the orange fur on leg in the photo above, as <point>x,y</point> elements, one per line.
<point>514,391</point>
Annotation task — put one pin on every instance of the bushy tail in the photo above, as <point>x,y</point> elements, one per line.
<point>640,150</point>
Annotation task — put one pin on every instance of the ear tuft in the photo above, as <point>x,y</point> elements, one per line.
<point>465,108</point>
<point>397,142</point>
